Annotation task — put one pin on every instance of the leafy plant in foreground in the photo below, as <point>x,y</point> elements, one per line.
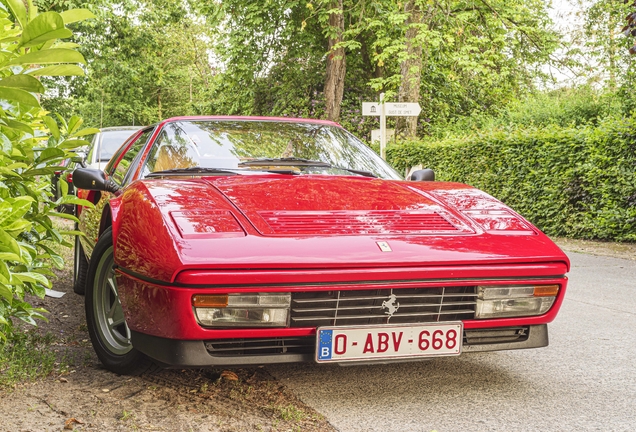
<point>32,145</point>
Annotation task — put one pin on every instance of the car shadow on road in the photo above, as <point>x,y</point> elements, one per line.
<point>458,377</point>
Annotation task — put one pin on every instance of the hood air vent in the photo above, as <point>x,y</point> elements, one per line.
<point>357,222</point>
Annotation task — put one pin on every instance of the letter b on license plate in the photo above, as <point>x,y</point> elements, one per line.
<point>343,344</point>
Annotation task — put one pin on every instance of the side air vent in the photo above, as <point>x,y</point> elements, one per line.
<point>283,345</point>
<point>495,335</point>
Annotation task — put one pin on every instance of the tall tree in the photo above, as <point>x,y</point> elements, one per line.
<point>336,61</point>
<point>411,67</point>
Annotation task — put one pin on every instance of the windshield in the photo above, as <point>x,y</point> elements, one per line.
<point>263,145</point>
<point>110,142</point>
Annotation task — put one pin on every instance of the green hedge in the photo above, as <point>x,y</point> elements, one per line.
<point>571,182</point>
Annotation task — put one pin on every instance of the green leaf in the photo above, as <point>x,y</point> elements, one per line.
<point>49,154</point>
<point>8,172</point>
<point>32,277</point>
<point>4,271</point>
<point>73,124</point>
<point>9,256</point>
<point>72,199</point>
<point>75,15</point>
<point>52,125</point>
<point>18,10</point>
<point>73,143</point>
<point>17,95</point>
<point>19,207</point>
<point>67,45</point>
<point>18,125</point>
<point>64,216</point>
<point>9,244</point>
<point>5,143</point>
<point>44,27</point>
<point>87,131</point>
<point>39,171</point>
<point>73,233</point>
<point>58,70</point>
<point>50,56</point>
<point>24,82</point>
<point>19,225</point>
<point>6,292</point>
<point>63,187</point>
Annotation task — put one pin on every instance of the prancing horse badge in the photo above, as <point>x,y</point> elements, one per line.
<point>384,247</point>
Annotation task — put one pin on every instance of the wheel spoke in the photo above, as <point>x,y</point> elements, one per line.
<point>113,286</point>
<point>116,323</point>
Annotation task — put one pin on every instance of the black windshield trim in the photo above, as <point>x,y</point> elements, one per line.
<point>285,162</point>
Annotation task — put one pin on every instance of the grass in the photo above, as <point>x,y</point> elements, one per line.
<point>290,413</point>
<point>26,356</point>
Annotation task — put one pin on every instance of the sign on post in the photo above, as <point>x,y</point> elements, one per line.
<point>396,109</point>
<point>402,109</point>
<point>370,108</point>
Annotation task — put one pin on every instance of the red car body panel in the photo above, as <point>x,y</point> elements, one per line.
<point>149,242</point>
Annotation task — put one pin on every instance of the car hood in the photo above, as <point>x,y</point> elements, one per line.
<point>313,222</point>
<point>324,205</point>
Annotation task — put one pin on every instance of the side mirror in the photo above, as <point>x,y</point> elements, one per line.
<point>93,179</point>
<point>422,175</point>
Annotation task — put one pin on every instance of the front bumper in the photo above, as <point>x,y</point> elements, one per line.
<point>253,351</point>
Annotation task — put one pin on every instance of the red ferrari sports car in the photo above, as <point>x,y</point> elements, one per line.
<point>246,240</point>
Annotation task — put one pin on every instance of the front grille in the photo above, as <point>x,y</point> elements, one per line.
<point>364,307</point>
<point>367,222</point>
<point>282,345</point>
<point>496,335</point>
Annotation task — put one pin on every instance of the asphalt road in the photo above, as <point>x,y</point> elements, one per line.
<point>584,381</point>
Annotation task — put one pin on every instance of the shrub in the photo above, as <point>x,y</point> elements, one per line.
<point>32,144</point>
<point>572,182</point>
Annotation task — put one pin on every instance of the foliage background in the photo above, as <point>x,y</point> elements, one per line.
<point>575,182</point>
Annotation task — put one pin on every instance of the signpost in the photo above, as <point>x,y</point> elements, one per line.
<point>394,109</point>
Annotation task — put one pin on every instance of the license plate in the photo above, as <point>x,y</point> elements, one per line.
<point>369,343</point>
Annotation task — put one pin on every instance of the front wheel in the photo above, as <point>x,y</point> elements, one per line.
<point>105,317</point>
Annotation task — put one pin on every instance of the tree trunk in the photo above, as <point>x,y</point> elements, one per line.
<point>411,69</point>
<point>159,104</point>
<point>336,64</point>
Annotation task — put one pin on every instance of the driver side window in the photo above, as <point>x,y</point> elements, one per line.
<point>119,174</point>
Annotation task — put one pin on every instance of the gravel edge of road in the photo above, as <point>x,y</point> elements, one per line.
<point>609,249</point>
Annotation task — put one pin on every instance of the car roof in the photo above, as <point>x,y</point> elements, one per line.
<point>250,118</point>
<point>116,128</point>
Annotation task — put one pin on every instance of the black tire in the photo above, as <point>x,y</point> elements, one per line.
<point>80,267</point>
<point>104,316</point>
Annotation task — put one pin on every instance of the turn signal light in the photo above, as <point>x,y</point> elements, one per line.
<point>546,290</point>
<point>213,301</point>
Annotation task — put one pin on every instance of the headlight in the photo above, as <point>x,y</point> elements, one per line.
<point>499,301</point>
<point>242,310</point>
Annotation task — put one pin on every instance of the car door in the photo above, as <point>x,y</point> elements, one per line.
<point>90,219</point>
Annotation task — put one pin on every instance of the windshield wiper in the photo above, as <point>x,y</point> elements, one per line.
<point>292,161</point>
<point>192,170</point>
<point>360,172</point>
<point>289,161</point>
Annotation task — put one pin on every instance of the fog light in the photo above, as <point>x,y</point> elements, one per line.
<point>500,301</point>
<point>242,310</point>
